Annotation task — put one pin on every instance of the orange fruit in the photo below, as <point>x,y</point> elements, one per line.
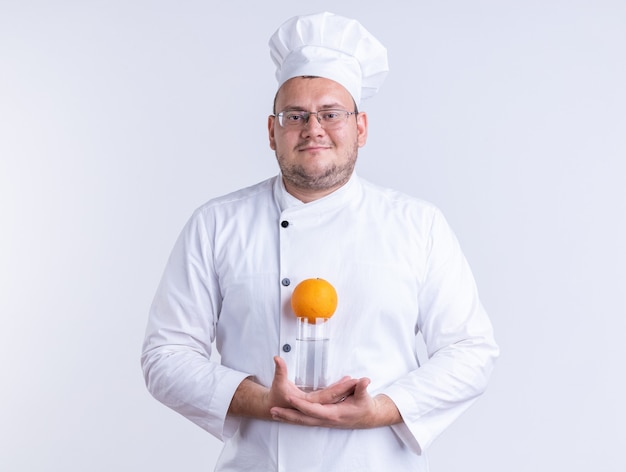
<point>314,298</point>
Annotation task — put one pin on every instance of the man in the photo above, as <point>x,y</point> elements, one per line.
<point>397,268</point>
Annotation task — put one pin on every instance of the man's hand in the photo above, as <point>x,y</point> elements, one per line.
<point>256,401</point>
<point>356,411</point>
<point>282,389</point>
<point>344,404</point>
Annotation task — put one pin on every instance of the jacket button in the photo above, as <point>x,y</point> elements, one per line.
<point>286,347</point>
<point>285,282</point>
<point>284,223</point>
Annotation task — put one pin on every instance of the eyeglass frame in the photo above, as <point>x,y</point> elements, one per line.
<point>306,115</point>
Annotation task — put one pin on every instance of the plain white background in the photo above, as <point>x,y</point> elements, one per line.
<point>118,118</point>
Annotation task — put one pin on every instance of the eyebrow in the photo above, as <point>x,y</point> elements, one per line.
<point>330,106</point>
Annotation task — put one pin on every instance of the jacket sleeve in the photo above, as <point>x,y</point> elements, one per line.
<point>459,341</point>
<point>181,327</point>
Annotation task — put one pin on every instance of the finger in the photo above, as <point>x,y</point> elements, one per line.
<point>280,368</point>
<point>287,415</point>
<point>302,411</point>
<point>344,386</point>
<point>333,393</point>
<point>360,390</point>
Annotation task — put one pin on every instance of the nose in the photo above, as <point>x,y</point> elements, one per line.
<point>313,125</point>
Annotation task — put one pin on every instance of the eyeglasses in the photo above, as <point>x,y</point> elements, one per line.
<point>328,119</point>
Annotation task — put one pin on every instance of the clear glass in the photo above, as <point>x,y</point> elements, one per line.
<point>327,118</point>
<point>312,354</point>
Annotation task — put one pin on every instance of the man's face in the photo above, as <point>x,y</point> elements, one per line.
<point>315,161</point>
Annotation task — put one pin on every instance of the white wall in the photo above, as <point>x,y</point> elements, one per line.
<point>118,118</point>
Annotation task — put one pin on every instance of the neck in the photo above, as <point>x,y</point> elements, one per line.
<point>307,195</point>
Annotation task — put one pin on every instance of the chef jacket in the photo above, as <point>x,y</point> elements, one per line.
<point>399,273</point>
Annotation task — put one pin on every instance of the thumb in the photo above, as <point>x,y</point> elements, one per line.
<point>280,367</point>
<point>361,388</point>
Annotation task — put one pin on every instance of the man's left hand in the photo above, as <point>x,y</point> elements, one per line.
<point>357,411</point>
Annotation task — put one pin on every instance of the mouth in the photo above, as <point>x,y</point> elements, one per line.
<point>313,147</point>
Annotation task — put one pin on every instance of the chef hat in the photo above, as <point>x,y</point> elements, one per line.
<point>330,46</point>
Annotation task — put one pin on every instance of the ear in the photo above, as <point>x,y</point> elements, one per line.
<point>361,128</point>
<point>270,131</point>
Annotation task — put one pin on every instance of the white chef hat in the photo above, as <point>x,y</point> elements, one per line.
<point>330,46</point>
